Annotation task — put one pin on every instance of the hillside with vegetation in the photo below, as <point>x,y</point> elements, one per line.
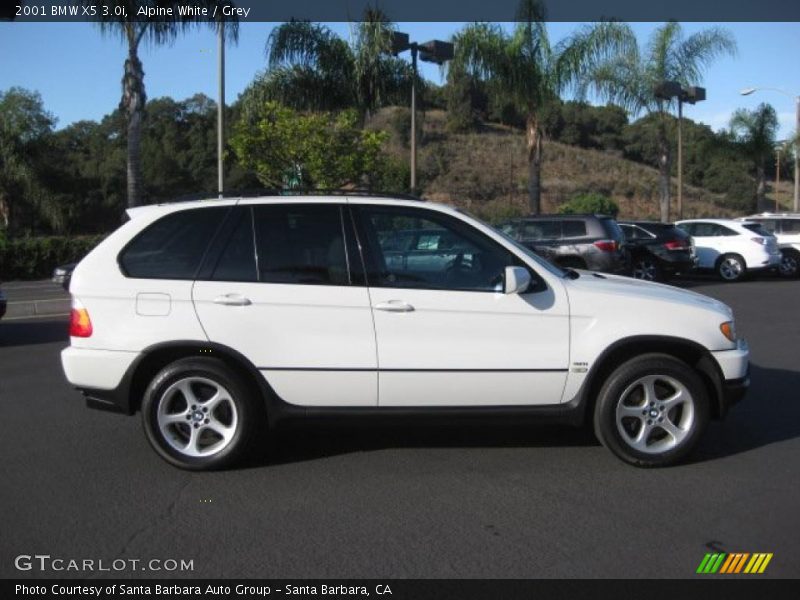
<point>485,171</point>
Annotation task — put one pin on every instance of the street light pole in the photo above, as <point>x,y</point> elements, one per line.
<point>777,174</point>
<point>434,51</point>
<point>680,158</point>
<point>220,107</point>
<point>747,92</point>
<point>414,50</point>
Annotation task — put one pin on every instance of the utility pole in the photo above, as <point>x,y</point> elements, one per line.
<point>680,158</point>
<point>777,175</point>
<point>414,49</point>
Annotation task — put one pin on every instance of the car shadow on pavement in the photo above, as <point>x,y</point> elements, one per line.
<point>301,443</point>
<point>769,414</point>
<point>26,333</point>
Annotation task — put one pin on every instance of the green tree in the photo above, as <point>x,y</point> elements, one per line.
<point>755,131</point>
<point>524,69</point>
<point>25,129</point>
<point>134,30</point>
<point>628,79</point>
<point>590,203</point>
<point>312,68</point>
<point>307,151</point>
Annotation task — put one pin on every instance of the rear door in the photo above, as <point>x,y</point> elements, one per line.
<point>286,289</point>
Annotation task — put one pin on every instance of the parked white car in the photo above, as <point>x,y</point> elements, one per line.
<point>786,229</point>
<point>221,319</point>
<point>732,248</point>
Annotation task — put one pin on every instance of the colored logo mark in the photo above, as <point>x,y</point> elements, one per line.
<point>736,562</point>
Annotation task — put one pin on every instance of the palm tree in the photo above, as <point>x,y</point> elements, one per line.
<point>133,30</point>
<point>523,68</point>
<point>312,68</point>
<point>628,79</point>
<point>755,130</point>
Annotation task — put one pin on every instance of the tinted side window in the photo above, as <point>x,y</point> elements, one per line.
<point>541,230</point>
<point>301,244</point>
<point>790,225</point>
<point>573,229</point>
<point>466,260</point>
<point>722,230</point>
<point>237,262</point>
<point>173,246</point>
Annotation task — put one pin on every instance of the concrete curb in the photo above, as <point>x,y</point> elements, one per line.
<point>37,308</point>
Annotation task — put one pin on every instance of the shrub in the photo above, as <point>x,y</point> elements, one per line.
<point>36,257</point>
<point>589,203</point>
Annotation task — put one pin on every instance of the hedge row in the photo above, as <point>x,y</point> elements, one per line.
<point>36,257</point>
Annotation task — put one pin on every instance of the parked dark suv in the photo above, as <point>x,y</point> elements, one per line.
<point>593,242</point>
<point>658,250</point>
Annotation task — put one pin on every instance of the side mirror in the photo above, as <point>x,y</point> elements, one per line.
<point>517,280</point>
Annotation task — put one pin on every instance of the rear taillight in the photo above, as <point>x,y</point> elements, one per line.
<point>606,245</point>
<point>80,325</point>
<point>676,244</point>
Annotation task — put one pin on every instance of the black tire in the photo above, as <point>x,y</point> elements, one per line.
<point>731,268</point>
<point>237,412</point>
<point>658,448</point>
<point>790,264</point>
<point>647,268</point>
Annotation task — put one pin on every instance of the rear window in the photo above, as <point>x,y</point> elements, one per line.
<point>612,229</point>
<point>172,247</point>
<point>757,228</point>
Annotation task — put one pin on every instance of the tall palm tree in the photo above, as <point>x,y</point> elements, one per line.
<point>312,68</point>
<point>523,68</point>
<point>628,79</point>
<point>134,30</point>
<point>756,130</point>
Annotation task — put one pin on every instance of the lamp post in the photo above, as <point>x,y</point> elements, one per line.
<point>434,51</point>
<point>667,90</point>
<point>777,172</point>
<point>751,90</point>
<point>220,107</point>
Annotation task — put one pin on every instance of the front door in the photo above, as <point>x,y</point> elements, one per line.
<point>447,334</point>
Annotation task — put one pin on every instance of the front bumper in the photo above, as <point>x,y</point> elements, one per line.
<point>735,368</point>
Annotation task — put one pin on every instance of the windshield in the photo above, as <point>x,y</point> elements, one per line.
<point>545,264</point>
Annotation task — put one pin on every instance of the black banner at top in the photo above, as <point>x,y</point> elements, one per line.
<point>400,10</point>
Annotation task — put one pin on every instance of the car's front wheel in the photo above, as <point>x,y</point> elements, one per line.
<point>651,411</point>
<point>198,414</point>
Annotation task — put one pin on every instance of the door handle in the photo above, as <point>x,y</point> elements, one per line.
<point>232,300</point>
<point>394,306</point>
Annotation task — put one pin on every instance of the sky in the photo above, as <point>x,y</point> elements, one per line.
<point>77,70</point>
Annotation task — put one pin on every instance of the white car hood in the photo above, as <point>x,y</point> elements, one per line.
<point>627,288</point>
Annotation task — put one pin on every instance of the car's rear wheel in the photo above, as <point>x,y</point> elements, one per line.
<point>646,268</point>
<point>731,267</point>
<point>651,411</point>
<point>198,414</point>
<point>790,263</point>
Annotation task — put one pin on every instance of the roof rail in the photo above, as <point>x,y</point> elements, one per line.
<point>256,192</point>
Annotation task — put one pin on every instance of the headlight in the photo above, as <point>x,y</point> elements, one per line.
<point>728,329</point>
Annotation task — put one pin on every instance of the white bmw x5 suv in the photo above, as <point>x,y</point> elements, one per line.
<point>221,319</point>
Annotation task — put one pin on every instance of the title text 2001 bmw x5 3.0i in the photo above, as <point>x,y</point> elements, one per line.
<point>221,319</point>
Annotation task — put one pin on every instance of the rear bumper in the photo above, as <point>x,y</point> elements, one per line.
<point>101,375</point>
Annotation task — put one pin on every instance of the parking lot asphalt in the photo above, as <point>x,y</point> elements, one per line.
<point>405,502</point>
